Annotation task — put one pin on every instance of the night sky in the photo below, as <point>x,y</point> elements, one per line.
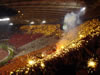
<point>6,12</point>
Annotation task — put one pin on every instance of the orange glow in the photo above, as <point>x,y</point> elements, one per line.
<point>61,44</point>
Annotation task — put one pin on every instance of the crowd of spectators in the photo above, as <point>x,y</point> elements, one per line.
<point>72,62</point>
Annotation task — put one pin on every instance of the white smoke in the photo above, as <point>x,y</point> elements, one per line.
<point>72,19</point>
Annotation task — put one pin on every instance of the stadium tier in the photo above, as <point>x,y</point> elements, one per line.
<point>49,59</point>
<point>19,40</point>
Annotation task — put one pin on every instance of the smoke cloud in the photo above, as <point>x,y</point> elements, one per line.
<point>71,20</point>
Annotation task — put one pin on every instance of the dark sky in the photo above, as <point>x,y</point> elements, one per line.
<point>7,12</point>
